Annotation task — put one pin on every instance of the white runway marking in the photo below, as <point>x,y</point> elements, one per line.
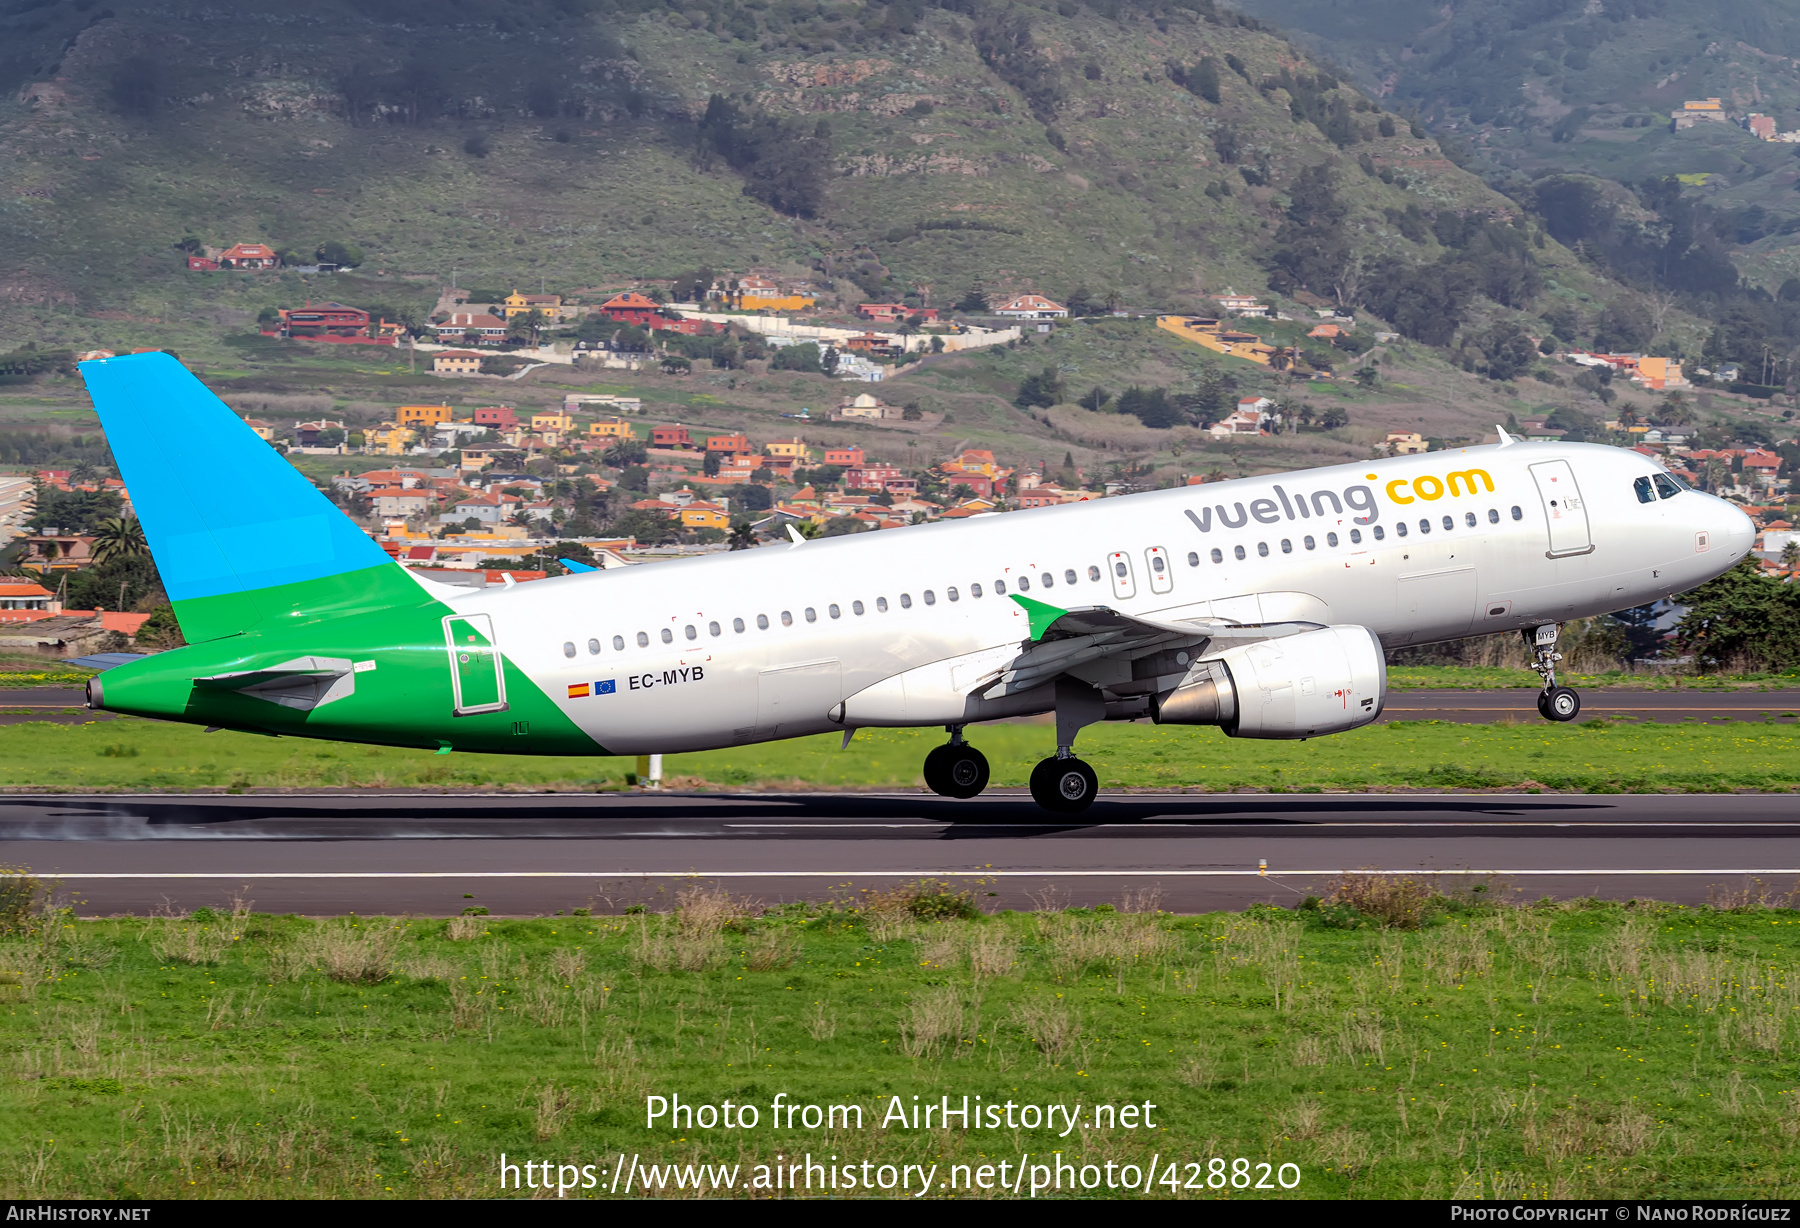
<point>935,870</point>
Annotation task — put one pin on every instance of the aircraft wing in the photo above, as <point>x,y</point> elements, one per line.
<point>1062,640</point>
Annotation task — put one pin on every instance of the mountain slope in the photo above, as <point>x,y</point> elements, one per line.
<point>1145,155</point>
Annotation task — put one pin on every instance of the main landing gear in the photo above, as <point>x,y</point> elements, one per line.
<point>1064,784</point>
<point>956,769</point>
<point>1555,702</point>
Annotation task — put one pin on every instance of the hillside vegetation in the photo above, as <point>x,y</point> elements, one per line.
<point>1141,152</point>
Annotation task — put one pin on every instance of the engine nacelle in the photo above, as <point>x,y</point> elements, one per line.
<point>1298,686</point>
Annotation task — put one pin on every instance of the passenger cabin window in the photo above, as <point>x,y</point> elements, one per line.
<point>881,605</point>
<point>1262,549</point>
<point>812,615</point>
<point>999,588</point>
<point>787,618</point>
<point>1024,584</point>
<point>906,601</point>
<point>1331,539</point>
<point>691,632</point>
<point>1157,565</point>
<point>762,622</point>
<point>713,629</point>
<point>1193,558</point>
<point>1399,528</point>
<point>930,597</point>
<point>668,636</point>
<point>618,643</point>
<point>1646,493</point>
<point>1493,515</point>
<point>1469,519</point>
<point>1237,552</point>
<point>1309,543</point>
<point>1094,574</point>
<point>856,607</point>
<point>643,640</point>
<point>1218,555</point>
<point>974,590</point>
<point>1380,533</point>
<point>1449,522</point>
<point>952,593</point>
<point>569,648</point>
<point>1424,525</point>
<point>593,648</point>
<point>1356,537</point>
<point>834,611</point>
<point>737,624</point>
<point>1069,576</point>
<point>1518,513</point>
<point>1667,486</point>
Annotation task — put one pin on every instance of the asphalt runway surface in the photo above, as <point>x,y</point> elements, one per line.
<point>64,706</point>
<point>537,854</point>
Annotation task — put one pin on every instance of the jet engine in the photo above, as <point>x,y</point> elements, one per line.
<point>1297,686</point>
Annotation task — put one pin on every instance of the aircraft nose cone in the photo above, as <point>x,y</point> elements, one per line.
<point>1736,531</point>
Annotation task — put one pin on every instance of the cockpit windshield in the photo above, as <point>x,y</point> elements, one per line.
<point>1649,488</point>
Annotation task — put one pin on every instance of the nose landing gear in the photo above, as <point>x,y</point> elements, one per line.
<point>1555,702</point>
<point>956,769</point>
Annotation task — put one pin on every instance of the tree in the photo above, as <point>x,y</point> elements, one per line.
<point>136,86</point>
<point>1333,418</point>
<point>803,357</point>
<point>1203,80</point>
<point>1367,378</point>
<point>675,364</point>
<point>119,537</point>
<point>1095,398</point>
<point>625,453</point>
<point>1151,406</point>
<point>1041,390</point>
<point>1741,619</point>
<point>974,300</point>
<point>1510,351</point>
<point>743,536</point>
<point>160,631</point>
<point>649,528</point>
<point>344,255</point>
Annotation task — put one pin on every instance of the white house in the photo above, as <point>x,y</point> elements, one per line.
<point>1242,304</point>
<point>1032,307</point>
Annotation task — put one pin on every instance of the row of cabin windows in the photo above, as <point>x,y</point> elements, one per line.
<point>1331,539</point>
<point>1046,579</point>
<point>691,631</point>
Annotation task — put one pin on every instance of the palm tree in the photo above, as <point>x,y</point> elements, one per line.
<point>121,537</point>
<point>742,536</point>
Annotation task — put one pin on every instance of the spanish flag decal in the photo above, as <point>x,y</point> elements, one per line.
<point>578,690</point>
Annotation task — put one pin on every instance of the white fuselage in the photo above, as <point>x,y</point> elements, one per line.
<point>764,644</point>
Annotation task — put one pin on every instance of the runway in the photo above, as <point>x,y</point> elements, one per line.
<point>538,854</point>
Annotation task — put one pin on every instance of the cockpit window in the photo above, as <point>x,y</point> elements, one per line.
<point>1668,487</point>
<point>1644,493</point>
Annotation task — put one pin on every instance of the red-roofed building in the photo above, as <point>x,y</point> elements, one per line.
<point>730,445</point>
<point>1032,307</point>
<point>24,595</point>
<point>631,308</point>
<point>334,322</point>
<point>497,416</point>
<point>896,311</point>
<point>671,437</point>
<point>248,256</point>
<point>1758,461</point>
<point>471,328</point>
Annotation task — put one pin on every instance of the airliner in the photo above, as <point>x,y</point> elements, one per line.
<point>1260,605</point>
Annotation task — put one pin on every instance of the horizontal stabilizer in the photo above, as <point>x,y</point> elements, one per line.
<point>303,684</point>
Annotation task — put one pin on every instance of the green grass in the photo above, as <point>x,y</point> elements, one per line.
<point>1579,1050</point>
<point>1481,678</point>
<point>1594,756</point>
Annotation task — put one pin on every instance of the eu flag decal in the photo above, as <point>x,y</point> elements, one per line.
<point>578,690</point>
<point>605,688</point>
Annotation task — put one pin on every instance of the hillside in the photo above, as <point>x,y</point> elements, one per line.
<point>878,148</point>
<point>1538,88</point>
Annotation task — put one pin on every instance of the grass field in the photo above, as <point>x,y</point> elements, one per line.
<point>1574,1050</point>
<point>1594,756</point>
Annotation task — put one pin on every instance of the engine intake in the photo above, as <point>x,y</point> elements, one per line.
<point>1297,686</point>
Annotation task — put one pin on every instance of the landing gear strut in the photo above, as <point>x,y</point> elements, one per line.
<point>956,769</point>
<point>1555,702</point>
<point>1063,784</point>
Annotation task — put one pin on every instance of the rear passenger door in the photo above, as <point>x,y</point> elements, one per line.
<point>1162,576</point>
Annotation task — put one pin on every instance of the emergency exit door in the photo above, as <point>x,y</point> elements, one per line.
<point>1564,511</point>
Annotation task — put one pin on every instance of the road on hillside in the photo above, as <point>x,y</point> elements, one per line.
<point>537,854</point>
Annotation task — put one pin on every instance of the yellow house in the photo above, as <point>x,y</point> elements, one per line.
<point>263,430</point>
<point>760,294</point>
<point>552,420</point>
<point>387,439</point>
<point>795,448</point>
<point>519,304</point>
<point>610,428</point>
<point>475,459</point>
<point>1207,332</point>
<point>703,516</point>
<point>422,415</point>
